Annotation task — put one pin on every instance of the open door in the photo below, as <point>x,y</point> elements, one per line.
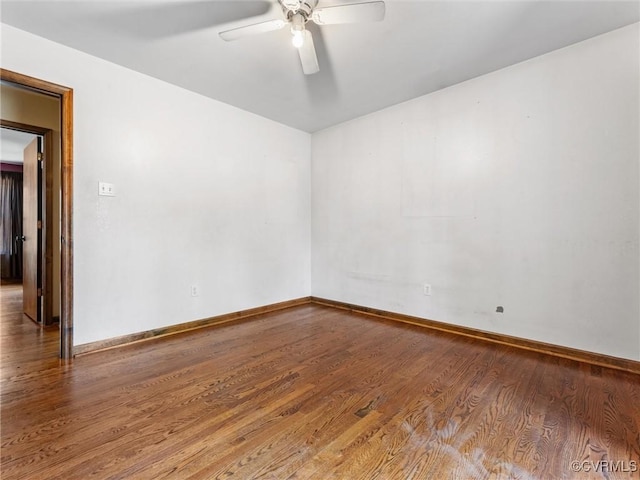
<point>32,231</point>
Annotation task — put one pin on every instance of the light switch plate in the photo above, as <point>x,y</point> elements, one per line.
<point>106,189</point>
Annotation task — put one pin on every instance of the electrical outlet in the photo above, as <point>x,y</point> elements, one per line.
<point>426,288</point>
<point>195,291</point>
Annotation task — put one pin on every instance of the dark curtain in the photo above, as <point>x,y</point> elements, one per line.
<point>11,224</point>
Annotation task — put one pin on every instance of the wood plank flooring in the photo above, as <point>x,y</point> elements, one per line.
<point>309,392</point>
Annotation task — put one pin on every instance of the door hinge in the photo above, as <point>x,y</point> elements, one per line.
<point>40,156</point>
<point>39,292</point>
<point>39,224</point>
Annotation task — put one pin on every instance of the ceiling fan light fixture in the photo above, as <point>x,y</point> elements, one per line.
<point>297,38</point>
<point>297,30</point>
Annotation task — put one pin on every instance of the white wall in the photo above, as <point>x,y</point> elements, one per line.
<point>516,189</point>
<point>207,194</point>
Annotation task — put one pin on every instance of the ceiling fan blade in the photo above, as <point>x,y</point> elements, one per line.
<point>308,56</point>
<point>356,12</point>
<point>255,29</point>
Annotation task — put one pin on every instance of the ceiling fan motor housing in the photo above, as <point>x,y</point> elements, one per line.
<point>303,7</point>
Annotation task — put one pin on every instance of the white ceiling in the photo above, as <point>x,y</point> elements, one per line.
<point>12,145</point>
<point>420,47</point>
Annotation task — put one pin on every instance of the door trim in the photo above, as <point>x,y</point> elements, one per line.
<point>65,94</point>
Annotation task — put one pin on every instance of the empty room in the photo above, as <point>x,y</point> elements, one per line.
<point>320,239</point>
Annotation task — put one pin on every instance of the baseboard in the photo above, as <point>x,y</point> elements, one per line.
<point>185,327</point>
<point>532,345</point>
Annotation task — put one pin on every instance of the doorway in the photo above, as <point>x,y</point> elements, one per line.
<point>30,217</point>
<point>64,239</point>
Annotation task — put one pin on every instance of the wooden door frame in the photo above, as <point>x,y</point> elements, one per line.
<point>47,213</point>
<point>65,94</point>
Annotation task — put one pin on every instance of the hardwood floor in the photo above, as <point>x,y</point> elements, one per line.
<point>309,392</point>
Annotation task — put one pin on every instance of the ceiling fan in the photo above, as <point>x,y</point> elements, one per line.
<point>298,12</point>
